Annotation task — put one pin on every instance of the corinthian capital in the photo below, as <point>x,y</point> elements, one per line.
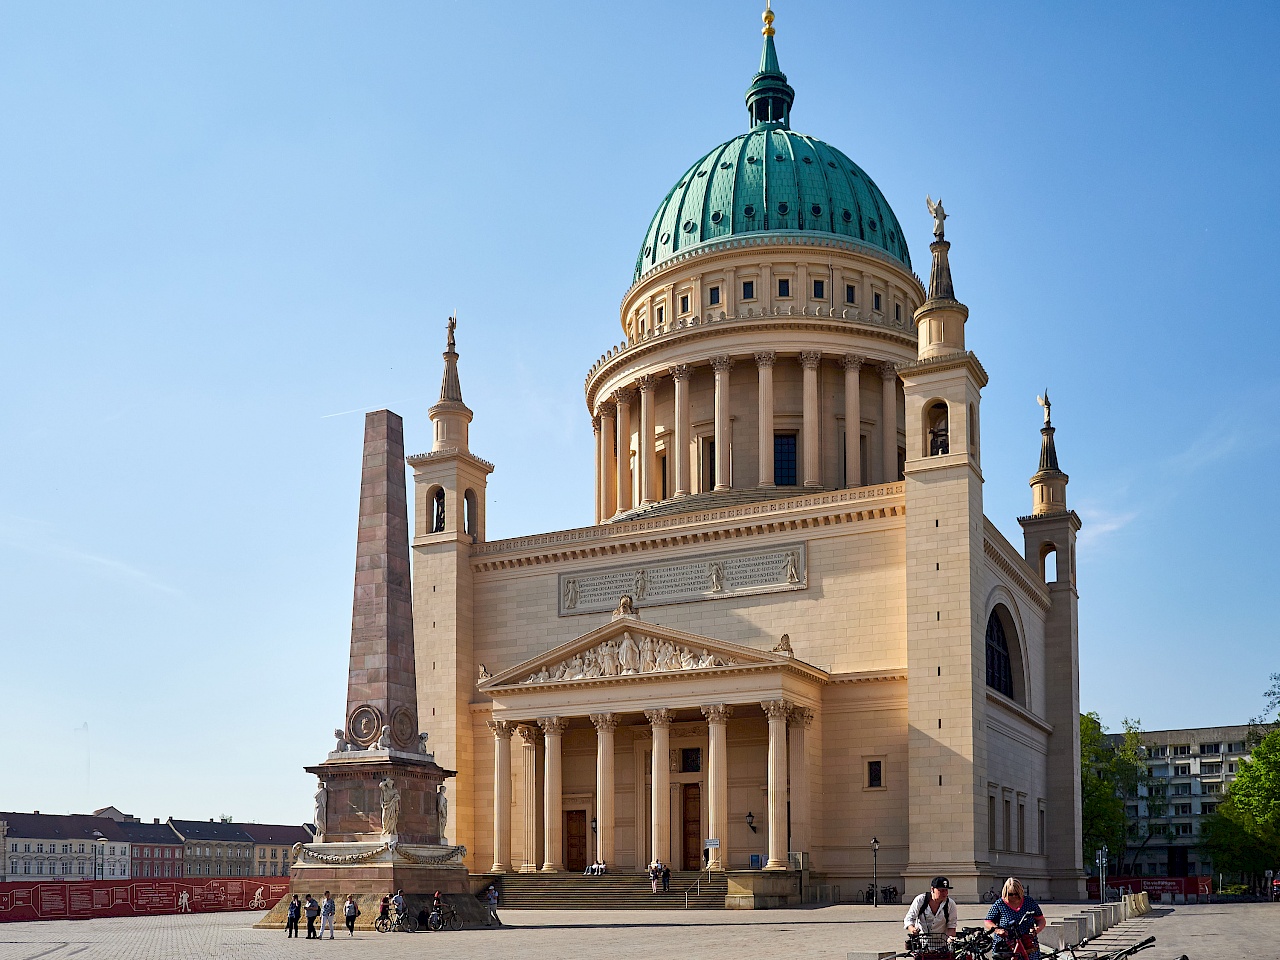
<point>680,371</point>
<point>851,361</point>
<point>502,729</point>
<point>659,718</point>
<point>553,726</point>
<point>623,395</point>
<point>810,359</point>
<point>529,734</point>
<point>647,383</point>
<point>765,358</point>
<point>801,717</point>
<point>721,364</point>
<point>717,712</point>
<point>595,423</point>
<point>605,721</point>
<point>776,709</point>
<point>888,369</point>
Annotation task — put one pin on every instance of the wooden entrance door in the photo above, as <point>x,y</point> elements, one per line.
<point>575,840</point>
<point>691,819</point>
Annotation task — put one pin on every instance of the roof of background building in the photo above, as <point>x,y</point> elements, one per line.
<point>150,833</point>
<point>211,830</point>
<point>284,834</point>
<point>75,826</point>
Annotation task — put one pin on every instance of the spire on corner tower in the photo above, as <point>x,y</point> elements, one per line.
<point>1049,485</point>
<point>451,416</point>
<point>940,320</point>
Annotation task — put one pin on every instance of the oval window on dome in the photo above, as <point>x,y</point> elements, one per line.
<point>846,215</point>
<point>871,224</point>
<point>717,216</point>
<point>702,173</point>
<point>783,208</point>
<point>725,164</point>
<point>689,226</point>
<point>749,210</point>
<point>831,164</point>
<point>751,159</point>
<point>648,251</point>
<point>665,237</point>
<point>891,236</point>
<point>778,156</point>
<point>816,210</point>
<point>808,159</point>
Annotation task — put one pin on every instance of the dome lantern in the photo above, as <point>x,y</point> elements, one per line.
<point>769,97</point>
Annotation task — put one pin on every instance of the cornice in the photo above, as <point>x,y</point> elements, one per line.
<point>1019,711</point>
<point>1004,558</point>
<point>445,454</point>
<point>1069,515</point>
<point>868,676</point>
<point>854,505</point>
<point>951,361</point>
<point>650,344</point>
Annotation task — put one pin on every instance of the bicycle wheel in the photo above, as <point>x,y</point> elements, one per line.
<point>433,921</point>
<point>455,922</point>
<point>382,924</point>
<point>410,924</point>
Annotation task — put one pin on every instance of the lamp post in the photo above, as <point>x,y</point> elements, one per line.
<point>99,855</point>
<point>1102,873</point>
<point>875,872</point>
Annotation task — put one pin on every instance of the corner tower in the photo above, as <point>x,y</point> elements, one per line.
<point>945,606</point>
<point>1050,547</point>
<point>449,514</point>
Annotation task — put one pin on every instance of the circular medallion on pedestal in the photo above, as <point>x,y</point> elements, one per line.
<point>404,731</point>
<point>365,724</point>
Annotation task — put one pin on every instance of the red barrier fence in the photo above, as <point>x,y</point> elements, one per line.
<point>1198,886</point>
<point>81,899</point>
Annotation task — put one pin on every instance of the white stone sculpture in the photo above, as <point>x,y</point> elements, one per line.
<point>322,811</point>
<point>640,583</point>
<point>384,740</point>
<point>342,746</point>
<point>939,215</point>
<point>390,807</point>
<point>715,575</point>
<point>791,567</point>
<point>570,593</point>
<point>629,654</point>
<point>442,810</point>
<point>610,658</point>
<point>422,742</point>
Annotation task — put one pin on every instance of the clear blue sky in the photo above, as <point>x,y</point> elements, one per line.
<point>228,229</point>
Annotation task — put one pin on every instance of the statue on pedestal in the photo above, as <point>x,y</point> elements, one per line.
<point>939,215</point>
<point>442,810</point>
<point>390,807</point>
<point>321,811</point>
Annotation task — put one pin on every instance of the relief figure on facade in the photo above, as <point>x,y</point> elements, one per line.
<point>648,656</point>
<point>570,593</point>
<point>629,654</point>
<point>640,584</point>
<point>715,576</point>
<point>791,567</point>
<point>609,658</point>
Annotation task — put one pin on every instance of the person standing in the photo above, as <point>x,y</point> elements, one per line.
<point>312,910</point>
<point>491,898</point>
<point>666,879</point>
<point>933,912</point>
<point>1015,917</point>
<point>655,875</point>
<point>295,912</point>
<point>328,909</point>
<point>350,911</point>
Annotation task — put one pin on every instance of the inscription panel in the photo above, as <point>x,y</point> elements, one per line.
<point>707,577</point>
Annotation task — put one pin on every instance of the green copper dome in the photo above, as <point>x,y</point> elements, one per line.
<point>771,180</point>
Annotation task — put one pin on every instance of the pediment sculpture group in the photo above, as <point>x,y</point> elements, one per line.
<point>614,658</point>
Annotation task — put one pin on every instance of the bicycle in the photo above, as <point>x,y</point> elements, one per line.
<point>890,895</point>
<point>402,923</point>
<point>444,916</point>
<point>973,943</point>
<point>990,896</point>
<point>1121,954</point>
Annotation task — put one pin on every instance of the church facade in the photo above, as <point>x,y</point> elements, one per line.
<point>791,629</point>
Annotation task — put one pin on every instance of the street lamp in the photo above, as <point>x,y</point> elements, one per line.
<point>1102,873</point>
<point>99,848</point>
<point>875,872</point>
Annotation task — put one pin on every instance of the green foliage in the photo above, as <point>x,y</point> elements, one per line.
<point>1101,792</point>
<point>1243,836</point>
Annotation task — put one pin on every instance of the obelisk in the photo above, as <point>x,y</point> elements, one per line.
<point>377,806</point>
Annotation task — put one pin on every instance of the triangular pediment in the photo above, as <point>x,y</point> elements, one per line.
<point>629,648</point>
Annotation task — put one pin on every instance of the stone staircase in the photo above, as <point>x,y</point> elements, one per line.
<point>614,891</point>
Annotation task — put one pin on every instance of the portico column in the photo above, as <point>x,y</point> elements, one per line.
<point>623,399</point>
<point>608,463</point>
<point>646,457</point>
<point>852,420</point>
<point>502,730</point>
<point>812,471</point>
<point>721,366</point>
<point>553,729</point>
<point>680,374</point>
<point>605,724</point>
<point>889,421</point>
<point>718,782</point>
<point>529,767</point>
<point>776,711</point>
<point>599,446</point>
<point>801,827</point>
<point>660,777</point>
<point>764,367</point>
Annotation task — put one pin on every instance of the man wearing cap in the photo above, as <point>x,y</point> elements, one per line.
<point>933,912</point>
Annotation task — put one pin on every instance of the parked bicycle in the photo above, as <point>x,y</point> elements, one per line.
<point>401,923</point>
<point>444,917</point>
<point>971,943</point>
<point>991,896</point>
<point>1122,954</point>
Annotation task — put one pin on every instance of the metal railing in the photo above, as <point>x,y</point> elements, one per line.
<point>696,887</point>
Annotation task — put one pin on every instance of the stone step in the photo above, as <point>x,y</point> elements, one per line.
<point>613,891</point>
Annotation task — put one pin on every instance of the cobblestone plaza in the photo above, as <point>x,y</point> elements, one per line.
<point>1203,932</point>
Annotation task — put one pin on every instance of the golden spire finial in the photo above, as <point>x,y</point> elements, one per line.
<point>767,17</point>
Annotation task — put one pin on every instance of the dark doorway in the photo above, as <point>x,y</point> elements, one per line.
<point>575,840</point>
<point>1177,861</point>
<point>691,819</point>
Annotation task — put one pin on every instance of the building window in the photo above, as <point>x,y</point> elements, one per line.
<point>1008,813</point>
<point>1212,788</point>
<point>1182,789</point>
<point>1160,752</point>
<point>878,306</point>
<point>897,312</point>
<point>1181,750</point>
<point>661,314</point>
<point>713,296</point>
<point>875,773</point>
<point>999,666</point>
<point>1182,829</point>
<point>1210,769</point>
<point>1182,769</point>
<point>784,459</point>
<point>850,293</point>
<point>784,287</point>
<point>1210,748</point>
<point>819,290</point>
<point>1022,828</point>
<point>1237,747</point>
<point>691,760</point>
<point>1182,809</point>
<point>684,303</point>
<point>39,848</point>
<point>1042,849</point>
<point>1208,809</point>
<point>1231,767</point>
<point>437,526</point>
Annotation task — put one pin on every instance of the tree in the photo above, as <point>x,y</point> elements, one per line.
<point>1102,800</point>
<point>1143,793</point>
<point>1243,836</point>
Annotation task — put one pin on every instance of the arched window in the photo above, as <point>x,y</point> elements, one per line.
<point>936,429</point>
<point>1049,562</point>
<point>471,518</point>
<point>973,429</point>
<point>999,667</point>
<point>437,511</point>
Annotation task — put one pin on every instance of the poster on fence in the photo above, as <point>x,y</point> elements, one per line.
<point>1198,886</point>
<point>81,899</point>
